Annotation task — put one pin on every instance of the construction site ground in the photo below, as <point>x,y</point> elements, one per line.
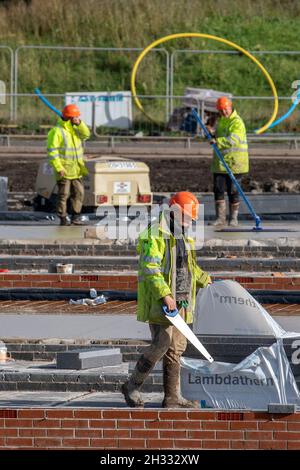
<point>20,165</point>
<point>113,307</point>
<point>33,231</point>
<point>35,331</point>
<point>44,399</point>
<point>171,172</point>
<point>101,326</point>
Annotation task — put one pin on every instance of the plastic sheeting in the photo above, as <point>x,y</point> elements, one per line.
<point>93,300</point>
<point>262,378</point>
<point>226,308</point>
<point>60,294</point>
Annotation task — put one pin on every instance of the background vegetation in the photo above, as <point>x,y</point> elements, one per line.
<point>256,25</point>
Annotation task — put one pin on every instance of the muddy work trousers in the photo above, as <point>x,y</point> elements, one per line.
<point>167,342</point>
<point>72,189</point>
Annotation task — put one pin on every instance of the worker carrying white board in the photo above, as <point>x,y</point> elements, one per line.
<point>231,139</point>
<point>168,276</point>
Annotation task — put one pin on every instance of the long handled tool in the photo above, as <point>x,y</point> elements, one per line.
<point>46,102</point>
<point>174,317</point>
<point>256,217</point>
<point>221,158</point>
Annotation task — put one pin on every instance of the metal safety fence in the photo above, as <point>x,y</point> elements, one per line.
<point>161,94</point>
<point>139,128</point>
<point>63,58</point>
<point>7,81</point>
<point>214,64</point>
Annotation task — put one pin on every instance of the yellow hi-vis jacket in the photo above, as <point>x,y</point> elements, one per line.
<point>231,140</point>
<point>65,152</point>
<point>157,273</point>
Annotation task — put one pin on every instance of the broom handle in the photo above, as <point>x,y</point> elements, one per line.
<point>221,158</point>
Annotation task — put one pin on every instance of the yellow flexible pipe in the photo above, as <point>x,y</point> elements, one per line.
<point>215,38</point>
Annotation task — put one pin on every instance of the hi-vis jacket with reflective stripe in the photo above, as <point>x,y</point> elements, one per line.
<point>231,140</point>
<point>65,150</point>
<point>157,273</point>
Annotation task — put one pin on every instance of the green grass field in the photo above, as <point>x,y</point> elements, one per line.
<point>255,25</point>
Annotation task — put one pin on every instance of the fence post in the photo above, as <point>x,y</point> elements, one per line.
<point>11,52</point>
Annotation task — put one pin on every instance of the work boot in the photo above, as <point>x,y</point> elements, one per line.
<point>173,397</point>
<point>233,215</point>
<point>131,388</point>
<point>220,213</point>
<point>64,221</point>
<point>77,220</point>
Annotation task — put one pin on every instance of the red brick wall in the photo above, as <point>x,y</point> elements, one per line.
<point>129,282</point>
<point>72,281</point>
<point>146,429</point>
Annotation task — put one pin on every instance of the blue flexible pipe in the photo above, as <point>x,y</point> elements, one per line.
<point>221,158</point>
<point>46,102</point>
<point>288,113</point>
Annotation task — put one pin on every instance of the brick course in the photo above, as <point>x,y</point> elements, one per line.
<point>129,281</point>
<point>145,429</point>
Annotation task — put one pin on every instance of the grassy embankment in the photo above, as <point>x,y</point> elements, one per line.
<point>256,25</point>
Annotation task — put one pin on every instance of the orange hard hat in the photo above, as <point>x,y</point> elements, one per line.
<point>70,111</point>
<point>187,202</point>
<point>223,102</point>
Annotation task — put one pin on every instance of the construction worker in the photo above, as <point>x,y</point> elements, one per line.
<point>65,155</point>
<point>231,139</point>
<point>168,275</point>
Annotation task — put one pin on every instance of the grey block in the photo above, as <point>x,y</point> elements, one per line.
<point>13,347</point>
<point>33,347</point>
<point>43,356</point>
<point>88,359</point>
<point>3,193</point>
<point>91,379</point>
<point>68,378</point>
<point>23,356</point>
<point>49,348</point>
<point>17,377</point>
<point>115,378</point>
<point>53,387</point>
<point>282,409</point>
<point>4,386</point>
<point>38,377</point>
<point>79,387</point>
<point>109,387</point>
<point>29,386</point>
